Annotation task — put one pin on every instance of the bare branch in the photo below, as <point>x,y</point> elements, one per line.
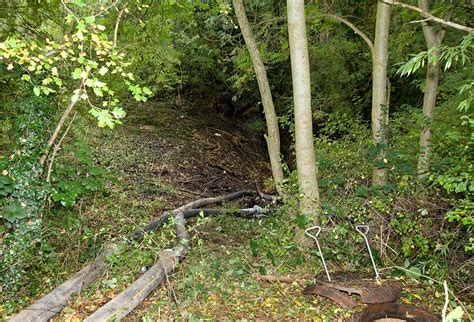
<point>429,16</point>
<point>354,28</point>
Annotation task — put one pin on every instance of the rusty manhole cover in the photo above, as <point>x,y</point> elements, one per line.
<point>344,284</point>
<point>392,312</point>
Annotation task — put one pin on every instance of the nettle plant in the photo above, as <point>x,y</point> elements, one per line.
<point>80,67</point>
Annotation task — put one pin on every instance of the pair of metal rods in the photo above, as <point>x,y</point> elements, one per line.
<point>361,229</point>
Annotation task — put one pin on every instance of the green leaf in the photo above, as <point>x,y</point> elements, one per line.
<point>413,272</point>
<point>81,27</point>
<point>302,220</point>
<point>37,91</point>
<point>76,74</point>
<point>5,180</point>
<point>89,19</point>
<point>79,3</point>
<point>118,113</point>
<point>14,212</point>
<point>254,247</point>
<point>455,315</point>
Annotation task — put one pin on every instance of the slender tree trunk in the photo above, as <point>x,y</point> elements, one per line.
<point>379,88</point>
<point>273,138</point>
<point>58,128</point>
<point>429,104</point>
<point>305,156</point>
<point>117,24</point>
<point>433,39</point>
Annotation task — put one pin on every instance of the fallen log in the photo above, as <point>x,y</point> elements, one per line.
<point>125,302</point>
<point>53,302</point>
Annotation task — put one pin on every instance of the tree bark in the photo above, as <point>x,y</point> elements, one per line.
<point>273,138</point>
<point>379,88</point>
<point>433,39</point>
<point>305,156</point>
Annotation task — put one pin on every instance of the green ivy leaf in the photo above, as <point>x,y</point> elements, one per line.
<point>14,212</point>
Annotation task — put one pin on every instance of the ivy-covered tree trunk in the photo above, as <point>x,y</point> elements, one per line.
<point>379,89</point>
<point>273,137</point>
<point>305,156</point>
<point>433,39</point>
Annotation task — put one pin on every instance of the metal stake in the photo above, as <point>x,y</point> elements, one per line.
<point>315,237</point>
<point>364,230</point>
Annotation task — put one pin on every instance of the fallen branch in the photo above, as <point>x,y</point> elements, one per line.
<point>139,233</point>
<point>280,279</point>
<point>56,131</point>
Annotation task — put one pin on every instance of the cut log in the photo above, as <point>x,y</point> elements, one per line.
<point>52,303</point>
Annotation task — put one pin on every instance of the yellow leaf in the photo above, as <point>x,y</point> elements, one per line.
<point>10,67</point>
<point>405,300</point>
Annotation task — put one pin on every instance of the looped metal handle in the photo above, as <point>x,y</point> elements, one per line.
<point>315,237</point>
<point>364,230</point>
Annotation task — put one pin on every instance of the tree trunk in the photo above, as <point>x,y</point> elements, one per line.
<point>379,89</point>
<point>58,128</point>
<point>273,138</point>
<point>433,39</point>
<point>305,156</point>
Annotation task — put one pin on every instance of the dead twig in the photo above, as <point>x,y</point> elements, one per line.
<point>280,279</point>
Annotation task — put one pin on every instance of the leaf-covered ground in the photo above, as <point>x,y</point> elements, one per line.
<point>166,155</point>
